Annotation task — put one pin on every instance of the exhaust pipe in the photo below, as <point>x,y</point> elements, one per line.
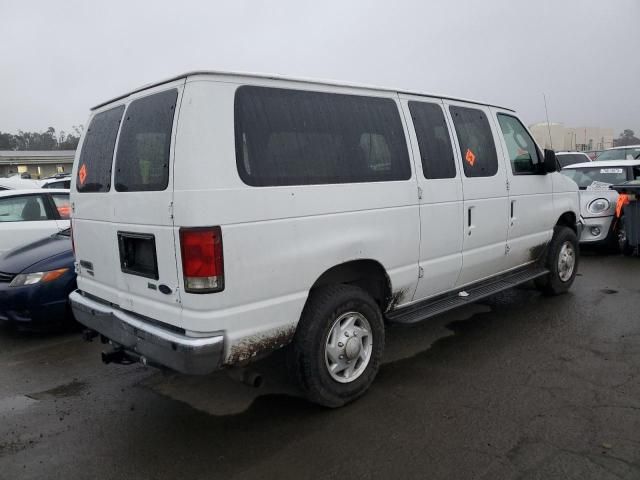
<point>246,376</point>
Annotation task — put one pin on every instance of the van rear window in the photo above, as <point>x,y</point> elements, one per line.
<point>142,159</point>
<point>295,137</point>
<point>96,156</point>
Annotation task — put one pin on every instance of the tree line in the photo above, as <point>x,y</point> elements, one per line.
<point>47,140</point>
<point>627,137</point>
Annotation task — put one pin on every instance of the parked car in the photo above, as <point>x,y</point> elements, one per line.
<point>592,154</point>
<point>597,200</point>
<point>60,180</point>
<point>16,182</point>
<point>629,152</point>
<point>35,283</point>
<point>28,215</point>
<point>569,158</point>
<point>266,212</point>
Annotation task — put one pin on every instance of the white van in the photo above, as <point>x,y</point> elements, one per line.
<point>220,216</point>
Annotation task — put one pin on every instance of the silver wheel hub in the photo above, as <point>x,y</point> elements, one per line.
<point>348,347</point>
<point>353,348</point>
<point>566,261</point>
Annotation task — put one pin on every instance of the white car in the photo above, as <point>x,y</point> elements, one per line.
<point>219,216</point>
<point>59,180</point>
<point>597,200</point>
<point>569,158</point>
<point>16,182</point>
<point>628,152</point>
<point>28,215</point>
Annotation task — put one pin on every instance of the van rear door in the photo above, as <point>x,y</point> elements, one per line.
<point>122,204</point>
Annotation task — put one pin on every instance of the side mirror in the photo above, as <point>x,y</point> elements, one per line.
<point>550,161</point>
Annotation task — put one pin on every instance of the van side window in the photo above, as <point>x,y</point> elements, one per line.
<point>477,147</point>
<point>296,137</point>
<point>521,148</point>
<point>433,140</point>
<point>142,159</point>
<point>96,156</point>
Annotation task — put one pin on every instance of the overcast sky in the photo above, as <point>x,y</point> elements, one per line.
<point>60,58</point>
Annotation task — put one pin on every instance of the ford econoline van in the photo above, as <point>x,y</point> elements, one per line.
<point>220,216</point>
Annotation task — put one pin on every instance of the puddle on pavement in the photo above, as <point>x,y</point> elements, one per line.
<point>21,402</point>
<point>15,404</point>
<point>70,389</point>
<point>219,395</point>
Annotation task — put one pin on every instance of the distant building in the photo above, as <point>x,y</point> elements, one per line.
<point>37,163</point>
<point>559,137</point>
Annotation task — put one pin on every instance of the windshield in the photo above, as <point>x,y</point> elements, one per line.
<point>631,153</point>
<point>596,178</point>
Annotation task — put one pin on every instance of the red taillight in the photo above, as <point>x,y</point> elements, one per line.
<point>202,259</point>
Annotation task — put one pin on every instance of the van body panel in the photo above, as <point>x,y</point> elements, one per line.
<point>485,212</point>
<point>441,213</point>
<point>272,234</point>
<point>566,197</point>
<point>99,218</point>
<point>531,218</point>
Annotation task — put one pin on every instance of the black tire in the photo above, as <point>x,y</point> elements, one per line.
<point>306,356</point>
<point>552,283</point>
<point>623,244</point>
<point>612,242</point>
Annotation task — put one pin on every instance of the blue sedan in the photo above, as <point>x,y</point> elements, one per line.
<point>35,282</point>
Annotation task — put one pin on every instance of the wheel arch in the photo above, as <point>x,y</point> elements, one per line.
<point>367,274</point>
<point>568,219</point>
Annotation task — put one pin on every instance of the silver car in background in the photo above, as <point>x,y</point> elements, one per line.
<point>628,152</point>
<point>597,200</point>
<point>570,158</point>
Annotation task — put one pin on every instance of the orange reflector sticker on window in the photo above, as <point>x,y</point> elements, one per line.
<point>82,174</point>
<point>470,157</point>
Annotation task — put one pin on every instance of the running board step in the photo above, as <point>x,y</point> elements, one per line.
<point>432,307</point>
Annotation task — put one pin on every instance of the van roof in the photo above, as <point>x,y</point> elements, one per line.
<point>294,79</point>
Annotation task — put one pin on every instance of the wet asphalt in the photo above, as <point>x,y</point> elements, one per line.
<point>519,386</point>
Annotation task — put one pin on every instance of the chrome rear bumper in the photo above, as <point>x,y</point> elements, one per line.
<point>154,344</point>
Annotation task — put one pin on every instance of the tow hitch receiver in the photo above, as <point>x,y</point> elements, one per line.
<point>120,357</point>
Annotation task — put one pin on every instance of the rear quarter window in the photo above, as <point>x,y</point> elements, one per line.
<point>96,156</point>
<point>295,137</point>
<point>142,159</point>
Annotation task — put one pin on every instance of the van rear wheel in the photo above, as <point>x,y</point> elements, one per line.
<point>338,345</point>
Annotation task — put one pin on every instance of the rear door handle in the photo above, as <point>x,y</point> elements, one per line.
<point>513,210</point>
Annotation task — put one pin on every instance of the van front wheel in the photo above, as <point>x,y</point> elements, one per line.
<point>562,262</point>
<point>338,345</point>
